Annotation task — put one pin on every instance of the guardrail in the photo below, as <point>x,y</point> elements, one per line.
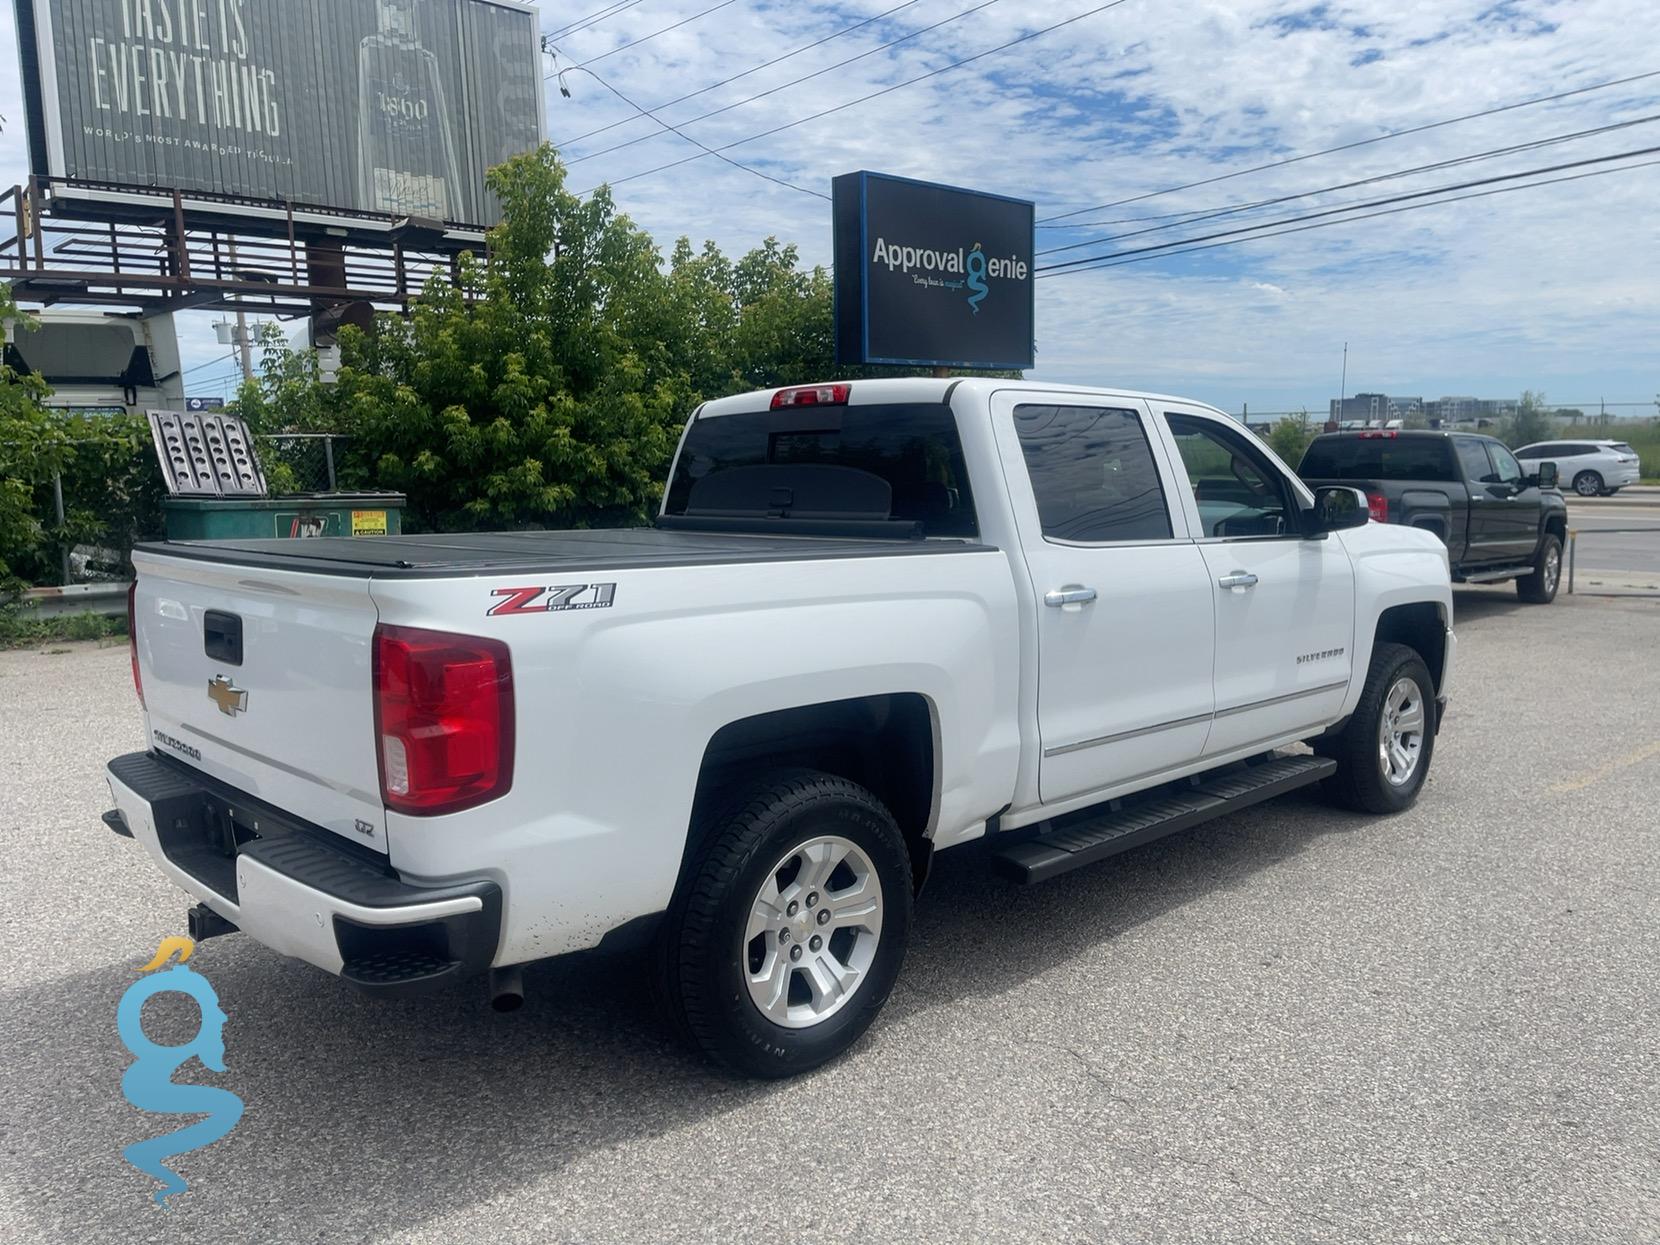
<point>108,598</point>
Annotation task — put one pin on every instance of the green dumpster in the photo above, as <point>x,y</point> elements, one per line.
<point>297,515</point>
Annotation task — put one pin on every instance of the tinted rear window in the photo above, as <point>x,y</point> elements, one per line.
<point>912,448</point>
<point>1376,458</point>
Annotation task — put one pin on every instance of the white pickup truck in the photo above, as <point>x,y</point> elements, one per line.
<point>873,621</point>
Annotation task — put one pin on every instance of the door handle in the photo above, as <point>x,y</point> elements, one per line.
<point>1239,579</point>
<point>1059,597</point>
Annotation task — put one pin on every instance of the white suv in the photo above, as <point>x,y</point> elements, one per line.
<point>1590,468</point>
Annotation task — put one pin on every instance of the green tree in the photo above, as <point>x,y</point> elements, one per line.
<point>1290,435</point>
<point>542,388</point>
<point>1529,422</point>
<point>111,488</point>
<point>549,386</point>
<point>31,450</point>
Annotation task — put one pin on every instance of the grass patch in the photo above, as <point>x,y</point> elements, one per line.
<point>22,628</point>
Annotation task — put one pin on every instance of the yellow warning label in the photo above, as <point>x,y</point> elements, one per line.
<point>368,523</point>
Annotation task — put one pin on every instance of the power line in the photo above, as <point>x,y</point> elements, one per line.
<point>673,130</point>
<point>1493,153</point>
<point>794,82</point>
<point>1168,250</point>
<point>1417,129</point>
<point>646,38</point>
<point>805,47</point>
<point>225,358</point>
<point>1336,211</point>
<point>593,19</point>
<point>887,90</point>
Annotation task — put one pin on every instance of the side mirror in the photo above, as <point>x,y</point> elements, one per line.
<point>1336,508</point>
<point>1545,477</point>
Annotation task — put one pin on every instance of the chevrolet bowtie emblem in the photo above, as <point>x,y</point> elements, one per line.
<point>230,698</point>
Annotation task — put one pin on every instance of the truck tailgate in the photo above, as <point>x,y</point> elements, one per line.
<point>262,679</point>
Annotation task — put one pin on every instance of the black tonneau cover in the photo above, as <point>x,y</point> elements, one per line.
<point>487,553</point>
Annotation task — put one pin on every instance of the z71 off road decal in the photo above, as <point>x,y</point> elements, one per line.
<point>552,599</point>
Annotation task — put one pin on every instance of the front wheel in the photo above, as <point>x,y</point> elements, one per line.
<point>1540,587</point>
<point>789,932</point>
<point>1383,754</point>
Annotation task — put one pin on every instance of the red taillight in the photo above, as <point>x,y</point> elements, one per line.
<point>1377,505</point>
<point>443,719</point>
<point>1375,433</point>
<point>132,639</point>
<point>812,395</point>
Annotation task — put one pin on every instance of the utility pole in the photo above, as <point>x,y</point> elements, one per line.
<point>244,347</point>
<point>1343,388</point>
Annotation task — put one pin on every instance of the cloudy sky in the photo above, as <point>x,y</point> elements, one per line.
<point>1555,288</point>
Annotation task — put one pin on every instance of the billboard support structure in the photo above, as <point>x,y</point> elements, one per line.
<point>164,260</point>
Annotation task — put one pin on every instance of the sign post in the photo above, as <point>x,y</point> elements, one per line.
<point>931,276</point>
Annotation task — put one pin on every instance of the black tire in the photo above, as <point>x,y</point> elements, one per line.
<point>1588,483</point>
<point>701,953</point>
<point>1609,492</point>
<point>1540,587</point>
<point>1359,783</point>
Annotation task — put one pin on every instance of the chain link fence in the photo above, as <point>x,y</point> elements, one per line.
<point>300,462</point>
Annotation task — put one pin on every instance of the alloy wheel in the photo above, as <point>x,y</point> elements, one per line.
<point>1401,731</point>
<point>813,930</point>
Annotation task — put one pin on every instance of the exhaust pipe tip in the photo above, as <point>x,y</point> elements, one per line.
<point>507,989</point>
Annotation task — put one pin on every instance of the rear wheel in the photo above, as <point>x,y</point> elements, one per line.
<point>790,930</point>
<point>1587,484</point>
<point>1540,587</point>
<point>1383,754</point>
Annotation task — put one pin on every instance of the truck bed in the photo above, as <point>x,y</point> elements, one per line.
<point>487,553</point>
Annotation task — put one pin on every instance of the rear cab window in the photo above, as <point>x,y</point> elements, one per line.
<point>1378,458</point>
<point>883,461</point>
<point>1092,474</point>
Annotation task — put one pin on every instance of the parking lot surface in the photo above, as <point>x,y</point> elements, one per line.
<point>1290,1025</point>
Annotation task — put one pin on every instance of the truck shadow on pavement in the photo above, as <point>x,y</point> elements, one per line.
<point>371,1118</point>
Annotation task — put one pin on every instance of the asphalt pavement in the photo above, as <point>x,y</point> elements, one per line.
<point>1617,538</point>
<point>1291,1025</point>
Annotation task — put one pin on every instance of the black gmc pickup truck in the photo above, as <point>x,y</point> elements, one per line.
<point>1497,520</point>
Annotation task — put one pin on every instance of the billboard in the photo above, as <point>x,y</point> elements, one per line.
<point>385,106</point>
<point>931,275</point>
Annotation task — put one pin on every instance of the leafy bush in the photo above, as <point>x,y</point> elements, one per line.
<point>21,628</point>
<point>549,387</point>
<point>112,489</point>
<point>1290,436</point>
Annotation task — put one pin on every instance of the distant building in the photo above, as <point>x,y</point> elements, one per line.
<point>1452,411</point>
<point>1375,409</point>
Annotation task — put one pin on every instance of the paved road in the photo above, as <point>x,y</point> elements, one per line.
<point>1294,1025</point>
<point>1617,551</point>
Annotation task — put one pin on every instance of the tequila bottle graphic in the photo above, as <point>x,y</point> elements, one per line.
<point>406,153</point>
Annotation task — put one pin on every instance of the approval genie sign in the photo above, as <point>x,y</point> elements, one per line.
<point>931,275</point>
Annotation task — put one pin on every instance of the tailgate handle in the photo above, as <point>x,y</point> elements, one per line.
<point>222,637</point>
